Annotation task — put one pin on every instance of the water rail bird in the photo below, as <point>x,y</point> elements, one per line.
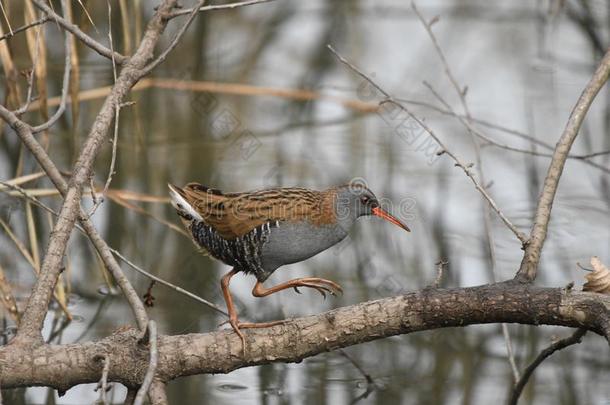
<point>259,231</point>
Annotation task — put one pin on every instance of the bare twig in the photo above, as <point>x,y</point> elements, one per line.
<point>159,59</point>
<point>168,284</point>
<point>35,311</point>
<point>462,118</point>
<point>30,78</point>
<point>465,167</point>
<point>461,92</point>
<point>65,85</point>
<point>102,385</point>
<point>440,267</point>
<point>218,7</point>
<point>575,338</point>
<point>370,383</point>
<point>84,38</point>
<point>531,258</point>
<point>120,278</point>
<point>490,244</point>
<point>100,245</point>
<point>467,122</point>
<point>358,367</point>
<point>152,364</point>
<point>97,202</point>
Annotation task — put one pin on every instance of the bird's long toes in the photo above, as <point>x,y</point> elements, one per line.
<point>333,288</point>
<point>235,326</point>
<point>327,289</point>
<point>330,286</point>
<point>323,292</point>
<point>322,289</point>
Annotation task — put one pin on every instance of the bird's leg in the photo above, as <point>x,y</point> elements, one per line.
<point>319,284</point>
<point>224,285</point>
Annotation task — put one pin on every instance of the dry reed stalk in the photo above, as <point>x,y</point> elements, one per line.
<point>125,26</point>
<point>225,88</point>
<point>74,76</point>
<point>10,71</point>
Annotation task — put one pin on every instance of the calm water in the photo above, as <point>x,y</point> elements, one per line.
<point>524,66</point>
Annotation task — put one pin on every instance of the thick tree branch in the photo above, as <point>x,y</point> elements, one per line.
<point>25,133</point>
<point>63,366</point>
<point>531,258</point>
<point>36,309</point>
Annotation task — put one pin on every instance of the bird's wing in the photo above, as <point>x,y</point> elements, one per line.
<point>235,214</point>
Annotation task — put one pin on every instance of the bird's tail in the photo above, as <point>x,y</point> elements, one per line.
<point>181,204</point>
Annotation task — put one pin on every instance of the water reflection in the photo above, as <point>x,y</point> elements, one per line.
<point>524,67</point>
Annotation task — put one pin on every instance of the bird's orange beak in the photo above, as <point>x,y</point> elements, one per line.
<point>388,217</point>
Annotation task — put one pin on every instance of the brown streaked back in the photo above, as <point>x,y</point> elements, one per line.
<point>234,214</point>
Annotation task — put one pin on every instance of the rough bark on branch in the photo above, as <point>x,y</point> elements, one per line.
<point>63,366</point>
<point>36,309</point>
<point>533,250</point>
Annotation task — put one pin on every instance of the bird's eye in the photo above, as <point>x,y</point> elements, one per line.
<point>364,199</point>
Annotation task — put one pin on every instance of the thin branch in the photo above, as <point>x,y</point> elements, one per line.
<point>49,167</point>
<point>531,258</point>
<point>491,246</point>
<point>461,92</point>
<point>146,70</point>
<point>65,84</point>
<point>358,367</point>
<point>84,38</point>
<point>229,6</point>
<point>584,157</point>
<point>575,338</point>
<point>152,364</point>
<point>120,278</point>
<point>465,167</point>
<point>102,385</point>
<point>440,267</point>
<point>36,308</point>
<point>30,78</point>
<point>465,121</point>
<point>97,202</point>
<point>370,383</point>
<point>168,284</point>
<point>25,27</point>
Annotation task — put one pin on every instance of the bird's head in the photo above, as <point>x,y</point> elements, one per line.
<point>356,200</point>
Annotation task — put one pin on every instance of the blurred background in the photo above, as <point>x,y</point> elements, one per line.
<point>214,113</point>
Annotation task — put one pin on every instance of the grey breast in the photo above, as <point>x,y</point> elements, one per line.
<point>292,242</point>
